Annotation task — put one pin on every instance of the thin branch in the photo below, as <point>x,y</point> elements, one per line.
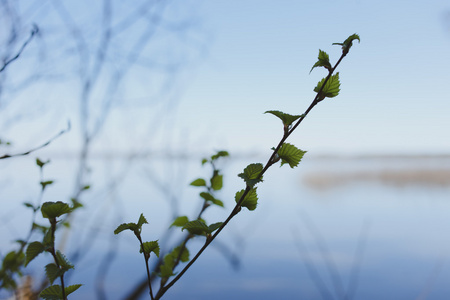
<point>34,31</point>
<point>39,147</point>
<point>268,164</point>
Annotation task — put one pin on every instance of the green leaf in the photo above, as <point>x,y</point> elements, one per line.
<point>30,205</point>
<point>204,161</point>
<point>213,227</point>
<point>217,202</point>
<point>216,181</point>
<point>180,221</point>
<point>45,183</point>
<point>41,228</point>
<point>331,88</point>
<point>251,174</point>
<point>72,288</point>
<point>13,261</point>
<point>127,226</point>
<point>142,220</point>
<point>53,272</point>
<point>48,240</point>
<point>184,257</point>
<point>207,196</point>
<point>64,263</point>
<point>41,163</point>
<point>149,247</point>
<point>324,61</point>
<point>210,198</point>
<point>75,203</point>
<point>54,292</point>
<point>347,44</point>
<point>219,154</point>
<point>250,201</point>
<point>33,250</point>
<point>51,210</point>
<point>198,182</point>
<point>196,227</point>
<point>287,119</point>
<point>290,154</point>
<point>166,269</point>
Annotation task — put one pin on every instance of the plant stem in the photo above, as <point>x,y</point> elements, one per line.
<point>237,207</point>
<point>146,265</point>
<point>53,252</point>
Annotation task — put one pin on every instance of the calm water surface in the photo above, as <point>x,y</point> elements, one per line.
<point>331,229</point>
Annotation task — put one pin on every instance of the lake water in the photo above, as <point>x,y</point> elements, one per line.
<point>334,228</point>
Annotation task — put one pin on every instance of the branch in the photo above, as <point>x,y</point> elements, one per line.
<point>34,31</point>
<point>237,208</point>
<point>39,147</point>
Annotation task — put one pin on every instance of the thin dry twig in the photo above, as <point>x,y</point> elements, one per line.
<point>39,147</point>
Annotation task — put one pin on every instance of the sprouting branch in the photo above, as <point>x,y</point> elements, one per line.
<point>272,159</point>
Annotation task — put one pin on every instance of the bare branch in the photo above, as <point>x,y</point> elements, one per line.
<point>39,147</point>
<point>34,31</point>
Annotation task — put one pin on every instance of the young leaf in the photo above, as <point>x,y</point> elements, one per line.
<point>290,154</point>
<point>287,119</point>
<point>250,201</point>
<point>198,182</point>
<point>219,154</point>
<point>331,88</point>
<point>347,44</point>
<point>214,227</point>
<point>48,239</point>
<point>53,292</point>
<point>180,221</point>
<point>209,197</point>
<point>30,205</point>
<point>53,272</point>
<point>149,247</point>
<point>216,181</point>
<point>45,183</point>
<point>142,220</point>
<point>63,261</point>
<point>41,228</point>
<point>51,210</point>
<point>127,226</point>
<point>166,269</point>
<point>72,288</point>
<point>217,202</point>
<point>324,61</point>
<point>75,203</point>
<point>33,250</point>
<point>251,174</point>
<point>196,227</point>
<point>41,163</point>
<point>184,255</point>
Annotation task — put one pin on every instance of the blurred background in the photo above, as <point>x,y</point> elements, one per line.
<point>151,87</point>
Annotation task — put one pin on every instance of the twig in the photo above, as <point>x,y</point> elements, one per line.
<point>34,31</point>
<point>39,147</point>
<point>269,163</point>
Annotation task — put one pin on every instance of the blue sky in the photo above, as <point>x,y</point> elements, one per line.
<point>250,57</point>
<point>392,84</point>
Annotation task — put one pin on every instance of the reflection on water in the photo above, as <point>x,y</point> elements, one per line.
<point>367,228</point>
